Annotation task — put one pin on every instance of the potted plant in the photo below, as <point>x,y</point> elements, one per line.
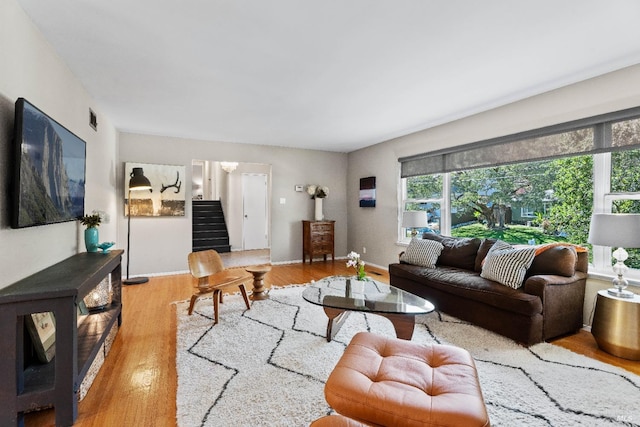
<point>91,237</point>
<point>358,264</point>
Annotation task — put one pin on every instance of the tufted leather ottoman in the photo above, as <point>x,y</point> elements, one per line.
<point>393,382</point>
<point>337,420</point>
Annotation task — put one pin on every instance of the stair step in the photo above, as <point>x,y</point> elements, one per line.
<point>209,227</point>
<point>211,241</point>
<point>202,220</point>
<point>210,234</point>
<point>217,248</point>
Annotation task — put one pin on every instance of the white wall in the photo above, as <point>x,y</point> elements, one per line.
<point>31,69</point>
<point>161,245</point>
<point>377,228</point>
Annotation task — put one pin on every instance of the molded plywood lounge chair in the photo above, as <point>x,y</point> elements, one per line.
<point>213,278</point>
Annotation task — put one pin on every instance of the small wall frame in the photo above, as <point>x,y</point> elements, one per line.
<point>368,192</point>
<point>42,329</point>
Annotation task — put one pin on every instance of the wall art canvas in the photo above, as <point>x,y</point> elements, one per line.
<point>167,196</point>
<point>368,192</point>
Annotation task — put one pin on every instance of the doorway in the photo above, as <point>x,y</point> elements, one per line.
<point>254,210</point>
<point>212,181</point>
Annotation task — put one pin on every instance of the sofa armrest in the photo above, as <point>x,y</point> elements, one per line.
<point>535,285</point>
<point>562,301</point>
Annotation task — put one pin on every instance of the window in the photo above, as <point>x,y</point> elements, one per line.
<point>525,202</point>
<point>423,193</point>
<point>549,183</point>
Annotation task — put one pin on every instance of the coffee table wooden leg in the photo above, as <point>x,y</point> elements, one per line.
<point>336,320</point>
<point>404,324</point>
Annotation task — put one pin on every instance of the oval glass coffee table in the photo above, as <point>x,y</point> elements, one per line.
<point>340,295</point>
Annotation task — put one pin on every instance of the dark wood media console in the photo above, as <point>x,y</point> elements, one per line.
<point>28,385</point>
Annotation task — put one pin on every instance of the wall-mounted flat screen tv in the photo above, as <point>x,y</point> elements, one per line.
<point>49,174</point>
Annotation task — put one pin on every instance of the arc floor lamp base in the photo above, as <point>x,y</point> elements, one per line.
<point>135,281</point>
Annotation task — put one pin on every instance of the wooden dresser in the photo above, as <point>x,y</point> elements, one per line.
<point>317,239</point>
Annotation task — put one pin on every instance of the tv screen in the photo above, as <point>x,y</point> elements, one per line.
<point>49,170</point>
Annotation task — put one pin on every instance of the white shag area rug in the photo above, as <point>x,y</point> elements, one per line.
<point>267,367</point>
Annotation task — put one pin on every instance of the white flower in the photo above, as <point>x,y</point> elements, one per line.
<point>317,191</point>
<point>311,190</point>
<point>354,259</point>
<point>322,192</point>
<point>356,263</point>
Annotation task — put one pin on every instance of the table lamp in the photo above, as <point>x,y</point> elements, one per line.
<point>413,220</point>
<point>621,231</point>
<point>137,182</point>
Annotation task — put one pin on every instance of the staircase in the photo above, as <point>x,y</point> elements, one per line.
<point>209,230</point>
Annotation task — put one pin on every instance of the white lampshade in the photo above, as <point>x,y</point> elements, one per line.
<point>414,219</point>
<point>615,230</point>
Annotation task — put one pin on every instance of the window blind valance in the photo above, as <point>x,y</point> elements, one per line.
<point>585,136</point>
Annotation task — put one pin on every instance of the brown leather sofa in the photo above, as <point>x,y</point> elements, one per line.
<point>548,304</point>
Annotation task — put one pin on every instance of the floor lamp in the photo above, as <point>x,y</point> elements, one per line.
<point>138,182</point>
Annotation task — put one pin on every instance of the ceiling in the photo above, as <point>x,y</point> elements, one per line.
<point>333,75</point>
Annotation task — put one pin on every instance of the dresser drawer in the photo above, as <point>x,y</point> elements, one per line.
<point>322,228</point>
<point>320,237</point>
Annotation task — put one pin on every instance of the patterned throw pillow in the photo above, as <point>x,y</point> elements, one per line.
<point>507,265</point>
<point>422,252</point>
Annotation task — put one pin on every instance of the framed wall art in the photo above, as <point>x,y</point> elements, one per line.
<point>167,196</point>
<point>368,192</point>
<point>42,330</point>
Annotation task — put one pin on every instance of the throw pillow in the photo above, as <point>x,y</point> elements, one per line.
<point>458,251</point>
<point>507,265</point>
<point>485,246</point>
<point>422,252</point>
<point>554,259</point>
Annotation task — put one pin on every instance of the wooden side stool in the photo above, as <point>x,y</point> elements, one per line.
<point>258,271</point>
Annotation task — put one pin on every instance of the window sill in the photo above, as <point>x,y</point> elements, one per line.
<point>633,279</point>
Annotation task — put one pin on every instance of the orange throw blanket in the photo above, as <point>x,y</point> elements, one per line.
<point>542,248</point>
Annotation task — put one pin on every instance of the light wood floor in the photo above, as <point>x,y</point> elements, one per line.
<point>137,383</point>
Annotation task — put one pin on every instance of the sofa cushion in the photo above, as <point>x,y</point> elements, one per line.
<point>467,285</point>
<point>422,252</point>
<point>554,259</point>
<point>484,248</point>
<point>507,265</point>
<point>458,251</point>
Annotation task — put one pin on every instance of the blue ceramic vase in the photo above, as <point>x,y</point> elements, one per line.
<point>91,239</point>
